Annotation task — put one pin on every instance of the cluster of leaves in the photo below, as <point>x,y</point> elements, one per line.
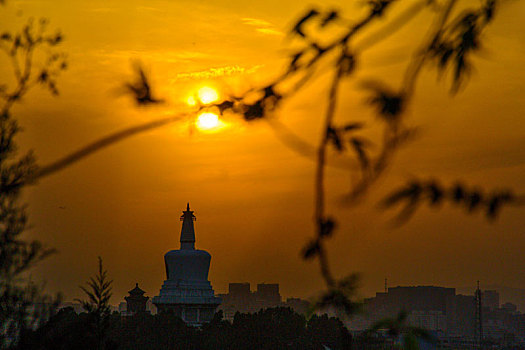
<point>22,303</point>
<point>97,305</point>
<point>415,193</point>
<point>140,89</point>
<point>460,39</point>
<point>20,48</point>
<point>339,298</point>
<point>257,104</point>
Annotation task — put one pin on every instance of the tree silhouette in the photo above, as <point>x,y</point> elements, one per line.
<point>22,304</point>
<point>98,292</point>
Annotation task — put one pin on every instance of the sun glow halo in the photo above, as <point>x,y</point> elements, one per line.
<point>191,101</point>
<point>207,95</point>
<point>208,121</point>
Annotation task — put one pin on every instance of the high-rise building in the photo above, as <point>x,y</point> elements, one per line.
<point>267,295</point>
<point>186,292</point>
<point>428,306</point>
<point>490,299</point>
<point>241,299</point>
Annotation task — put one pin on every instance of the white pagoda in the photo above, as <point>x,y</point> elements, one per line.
<point>186,292</point>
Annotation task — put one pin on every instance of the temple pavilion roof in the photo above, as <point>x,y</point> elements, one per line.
<point>136,290</point>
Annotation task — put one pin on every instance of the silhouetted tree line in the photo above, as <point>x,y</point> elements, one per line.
<point>268,329</point>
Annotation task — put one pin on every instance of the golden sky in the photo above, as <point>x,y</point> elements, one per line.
<point>252,195</point>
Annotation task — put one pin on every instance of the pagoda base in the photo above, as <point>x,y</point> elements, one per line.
<point>193,301</point>
<point>192,314</point>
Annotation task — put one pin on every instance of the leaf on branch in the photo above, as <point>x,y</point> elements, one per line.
<point>332,135</point>
<point>378,6</point>
<point>329,17</point>
<point>55,39</point>
<point>44,75</point>
<point>489,9</point>
<point>52,87</point>
<point>388,103</point>
<point>254,111</point>
<point>346,63</point>
<point>326,227</point>
<point>141,89</point>
<point>353,126</point>
<point>474,200</point>
<point>298,27</point>
<point>295,60</point>
<point>224,106</point>
<point>458,193</point>
<point>359,145</point>
<point>349,284</point>
<point>496,202</point>
<point>411,192</point>
<point>270,94</point>
<point>338,299</point>
<point>311,250</point>
<point>442,51</point>
<point>320,50</point>
<point>435,193</point>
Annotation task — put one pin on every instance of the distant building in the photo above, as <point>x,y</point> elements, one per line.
<point>439,309</point>
<point>241,299</point>
<point>465,316</point>
<point>136,301</point>
<point>509,307</point>
<point>150,307</point>
<point>427,306</point>
<point>77,307</point>
<point>490,299</point>
<point>298,305</point>
<point>186,291</point>
<point>122,307</point>
<point>431,320</point>
<point>267,295</point>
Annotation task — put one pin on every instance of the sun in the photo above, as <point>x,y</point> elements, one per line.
<point>208,121</point>
<point>204,95</point>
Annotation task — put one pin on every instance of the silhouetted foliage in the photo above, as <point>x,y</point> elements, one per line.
<point>98,292</point>
<point>274,328</point>
<point>22,304</point>
<point>416,193</point>
<point>141,88</point>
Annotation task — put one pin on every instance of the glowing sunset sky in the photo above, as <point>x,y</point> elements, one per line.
<point>252,195</point>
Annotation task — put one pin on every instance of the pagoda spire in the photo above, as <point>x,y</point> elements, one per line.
<point>187,235</point>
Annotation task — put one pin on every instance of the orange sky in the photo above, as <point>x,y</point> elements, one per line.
<point>252,195</point>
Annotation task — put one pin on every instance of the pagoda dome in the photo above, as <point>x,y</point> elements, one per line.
<point>187,265</point>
